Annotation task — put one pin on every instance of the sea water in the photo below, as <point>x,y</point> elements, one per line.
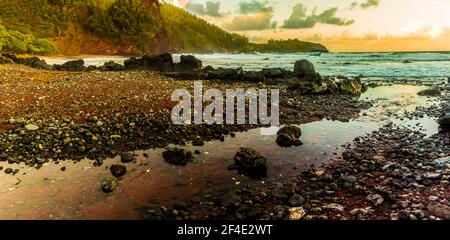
<point>398,66</point>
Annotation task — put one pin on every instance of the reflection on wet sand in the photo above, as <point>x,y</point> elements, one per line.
<point>50,193</point>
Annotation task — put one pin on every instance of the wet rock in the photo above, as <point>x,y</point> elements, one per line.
<point>73,66</point>
<point>296,213</point>
<point>284,140</point>
<point>291,130</point>
<point>118,170</point>
<point>248,159</point>
<point>439,210</point>
<point>112,66</point>
<point>352,87</point>
<point>435,91</point>
<point>288,136</point>
<point>332,87</point>
<point>127,157</point>
<point>109,184</point>
<point>162,62</point>
<point>8,170</point>
<point>177,156</point>
<point>188,63</point>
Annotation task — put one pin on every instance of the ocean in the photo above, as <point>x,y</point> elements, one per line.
<point>399,66</point>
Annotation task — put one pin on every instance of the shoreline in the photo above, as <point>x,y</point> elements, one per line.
<point>76,103</point>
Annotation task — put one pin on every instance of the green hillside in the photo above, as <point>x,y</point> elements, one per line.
<point>117,27</point>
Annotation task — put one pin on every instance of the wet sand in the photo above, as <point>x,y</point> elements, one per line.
<point>49,193</point>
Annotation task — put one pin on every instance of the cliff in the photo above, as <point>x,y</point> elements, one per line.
<point>125,27</point>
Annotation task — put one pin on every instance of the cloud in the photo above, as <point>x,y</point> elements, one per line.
<point>300,18</point>
<point>329,17</point>
<point>257,21</point>
<point>255,16</point>
<point>366,4</point>
<point>255,7</point>
<point>208,9</point>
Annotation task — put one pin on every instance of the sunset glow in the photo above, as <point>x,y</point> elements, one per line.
<point>347,25</point>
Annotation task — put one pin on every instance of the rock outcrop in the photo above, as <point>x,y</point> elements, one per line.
<point>162,62</point>
<point>71,66</point>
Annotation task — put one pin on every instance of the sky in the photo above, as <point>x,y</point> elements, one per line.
<point>341,25</point>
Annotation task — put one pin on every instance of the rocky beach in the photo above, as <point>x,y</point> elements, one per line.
<point>108,129</point>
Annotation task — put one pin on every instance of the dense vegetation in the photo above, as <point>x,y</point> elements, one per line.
<point>192,34</point>
<point>14,41</point>
<point>138,26</point>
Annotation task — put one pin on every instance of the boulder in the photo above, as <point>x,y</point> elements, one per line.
<point>72,66</point>
<point>118,170</point>
<point>177,156</point>
<point>288,136</point>
<point>188,63</point>
<point>250,161</point>
<point>112,66</point>
<point>304,68</point>
<point>434,91</point>
<point>127,157</point>
<point>162,62</point>
<point>291,130</point>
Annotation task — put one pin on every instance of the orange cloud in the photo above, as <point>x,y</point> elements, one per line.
<point>372,42</point>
